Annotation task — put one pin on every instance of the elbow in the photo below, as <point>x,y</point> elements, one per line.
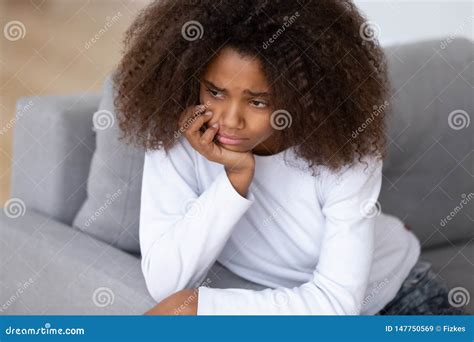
<point>327,301</point>
<point>353,308</point>
<point>158,287</point>
<point>166,270</point>
<point>347,305</point>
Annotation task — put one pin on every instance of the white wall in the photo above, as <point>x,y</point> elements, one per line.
<point>407,21</point>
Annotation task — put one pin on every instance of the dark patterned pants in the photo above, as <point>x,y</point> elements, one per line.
<point>422,293</point>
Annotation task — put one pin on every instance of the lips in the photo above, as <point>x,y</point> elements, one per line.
<point>229,140</point>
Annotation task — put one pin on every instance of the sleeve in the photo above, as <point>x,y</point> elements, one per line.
<point>340,280</point>
<point>181,233</point>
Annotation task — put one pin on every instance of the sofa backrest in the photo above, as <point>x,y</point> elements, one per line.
<point>112,208</point>
<point>428,175</point>
<point>53,146</point>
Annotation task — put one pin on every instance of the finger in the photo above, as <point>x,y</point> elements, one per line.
<point>194,129</point>
<point>188,113</point>
<point>208,136</point>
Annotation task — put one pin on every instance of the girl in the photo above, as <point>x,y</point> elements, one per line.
<point>263,125</point>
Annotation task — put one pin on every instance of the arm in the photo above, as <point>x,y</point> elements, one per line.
<point>240,180</point>
<point>340,279</point>
<point>181,233</point>
<point>182,303</point>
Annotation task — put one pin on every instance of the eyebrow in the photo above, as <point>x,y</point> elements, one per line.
<point>247,91</point>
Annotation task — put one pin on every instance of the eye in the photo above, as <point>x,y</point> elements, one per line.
<point>214,93</point>
<point>258,103</point>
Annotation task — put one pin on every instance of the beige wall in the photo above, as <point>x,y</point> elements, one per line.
<point>53,56</point>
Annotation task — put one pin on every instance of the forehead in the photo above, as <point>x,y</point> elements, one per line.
<point>230,69</point>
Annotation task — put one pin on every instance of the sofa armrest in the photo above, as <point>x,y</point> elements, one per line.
<point>53,143</point>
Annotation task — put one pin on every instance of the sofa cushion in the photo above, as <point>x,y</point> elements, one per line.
<point>52,151</point>
<point>111,210</point>
<point>48,268</point>
<point>428,175</point>
<point>455,265</point>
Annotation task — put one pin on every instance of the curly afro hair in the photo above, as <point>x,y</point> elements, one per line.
<point>319,57</point>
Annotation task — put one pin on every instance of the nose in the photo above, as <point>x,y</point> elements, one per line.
<point>228,116</point>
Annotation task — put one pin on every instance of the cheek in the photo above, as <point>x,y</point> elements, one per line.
<point>262,126</point>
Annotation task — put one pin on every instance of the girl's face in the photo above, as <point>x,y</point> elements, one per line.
<point>236,91</point>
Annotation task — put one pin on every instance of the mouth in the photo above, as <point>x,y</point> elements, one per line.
<point>229,141</point>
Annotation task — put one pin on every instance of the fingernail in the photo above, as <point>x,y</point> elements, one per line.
<point>215,124</point>
<point>208,113</point>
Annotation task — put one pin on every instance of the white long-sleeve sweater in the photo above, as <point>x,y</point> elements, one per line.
<point>313,240</point>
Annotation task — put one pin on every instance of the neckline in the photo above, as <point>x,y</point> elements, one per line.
<point>271,157</point>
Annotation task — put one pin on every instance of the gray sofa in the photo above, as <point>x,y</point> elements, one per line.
<point>69,233</point>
